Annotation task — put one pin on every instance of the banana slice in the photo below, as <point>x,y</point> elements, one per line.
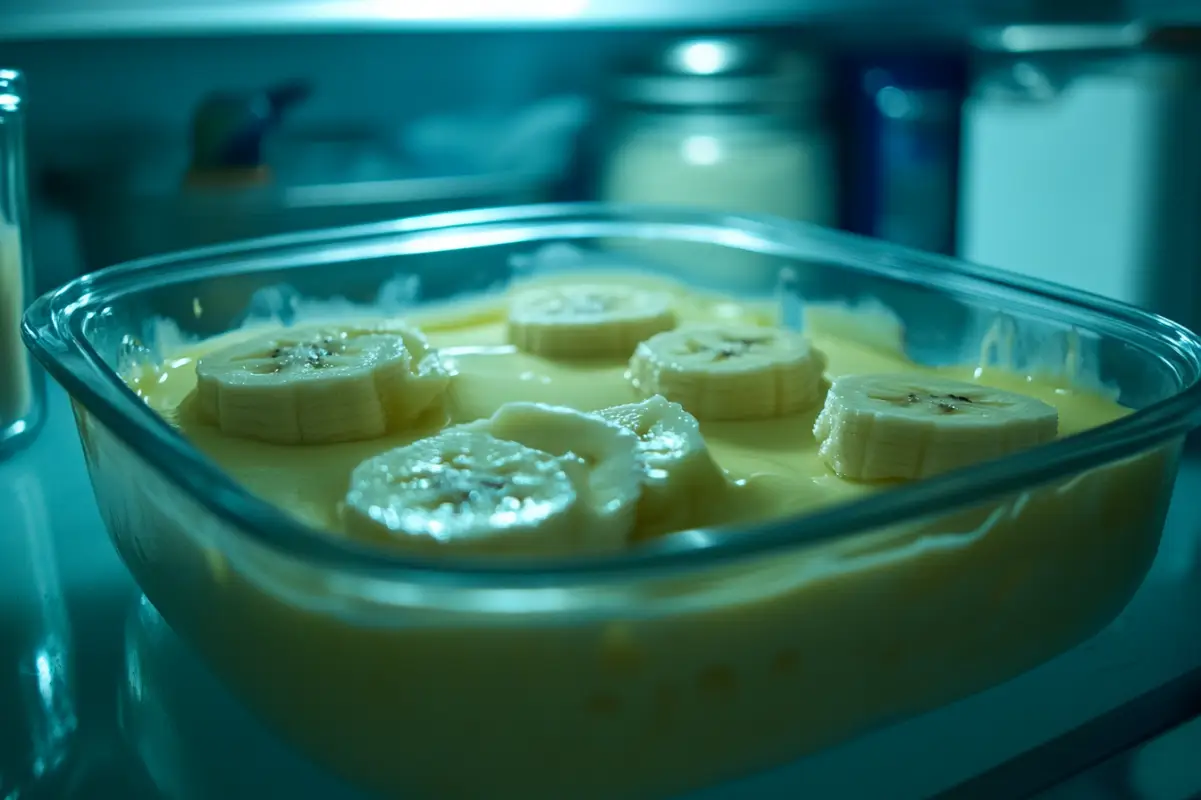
<point>315,385</point>
<point>882,427</point>
<point>679,476</point>
<point>587,320</point>
<point>467,491</point>
<point>731,372</point>
<point>599,456</point>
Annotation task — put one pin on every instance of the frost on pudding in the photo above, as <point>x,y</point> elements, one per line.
<point>650,410</point>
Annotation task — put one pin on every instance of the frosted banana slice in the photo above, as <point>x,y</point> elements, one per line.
<point>466,491</point>
<point>315,385</point>
<point>731,372</point>
<point>881,427</point>
<point>679,475</point>
<point>587,320</point>
<point>599,456</point>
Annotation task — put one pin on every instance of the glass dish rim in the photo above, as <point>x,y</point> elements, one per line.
<point>52,328</point>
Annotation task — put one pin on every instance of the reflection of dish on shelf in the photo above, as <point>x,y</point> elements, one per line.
<point>194,740</point>
<point>36,681</point>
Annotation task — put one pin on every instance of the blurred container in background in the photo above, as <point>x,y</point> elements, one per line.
<point>723,122</point>
<point>904,148</point>
<point>245,175</point>
<point>1082,160</point>
<point>727,122</point>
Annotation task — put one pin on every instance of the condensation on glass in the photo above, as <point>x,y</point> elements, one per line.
<point>20,383</point>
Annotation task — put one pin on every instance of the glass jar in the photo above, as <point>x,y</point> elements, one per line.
<point>21,387</point>
<point>727,123</point>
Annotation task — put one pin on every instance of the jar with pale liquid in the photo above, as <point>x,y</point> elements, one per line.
<point>20,383</point>
<point>729,124</point>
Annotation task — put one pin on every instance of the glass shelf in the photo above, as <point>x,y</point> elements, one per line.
<point>62,19</point>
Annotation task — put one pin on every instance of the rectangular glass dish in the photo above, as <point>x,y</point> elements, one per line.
<point>698,657</point>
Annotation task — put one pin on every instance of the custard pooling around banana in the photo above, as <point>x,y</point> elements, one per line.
<point>715,416</point>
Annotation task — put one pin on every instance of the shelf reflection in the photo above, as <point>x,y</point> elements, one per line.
<point>194,740</point>
<point>37,708</point>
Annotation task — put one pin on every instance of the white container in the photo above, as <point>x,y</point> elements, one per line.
<point>1082,163</point>
<point>723,123</point>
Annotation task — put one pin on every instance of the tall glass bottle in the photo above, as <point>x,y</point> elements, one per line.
<point>21,387</point>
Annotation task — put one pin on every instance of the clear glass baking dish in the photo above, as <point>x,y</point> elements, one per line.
<point>709,654</point>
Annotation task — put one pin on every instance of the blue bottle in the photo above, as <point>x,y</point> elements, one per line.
<point>903,113</point>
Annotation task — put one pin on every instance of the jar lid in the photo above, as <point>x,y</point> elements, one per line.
<point>734,70</point>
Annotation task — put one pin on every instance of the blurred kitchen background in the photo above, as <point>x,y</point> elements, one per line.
<point>1059,138</point>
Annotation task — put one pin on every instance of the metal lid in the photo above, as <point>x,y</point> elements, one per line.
<point>735,70</point>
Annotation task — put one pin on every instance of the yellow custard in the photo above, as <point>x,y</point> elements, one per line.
<point>654,685</point>
<point>773,462</point>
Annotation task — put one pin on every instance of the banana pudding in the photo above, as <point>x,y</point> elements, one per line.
<point>735,416</point>
<point>583,418</point>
